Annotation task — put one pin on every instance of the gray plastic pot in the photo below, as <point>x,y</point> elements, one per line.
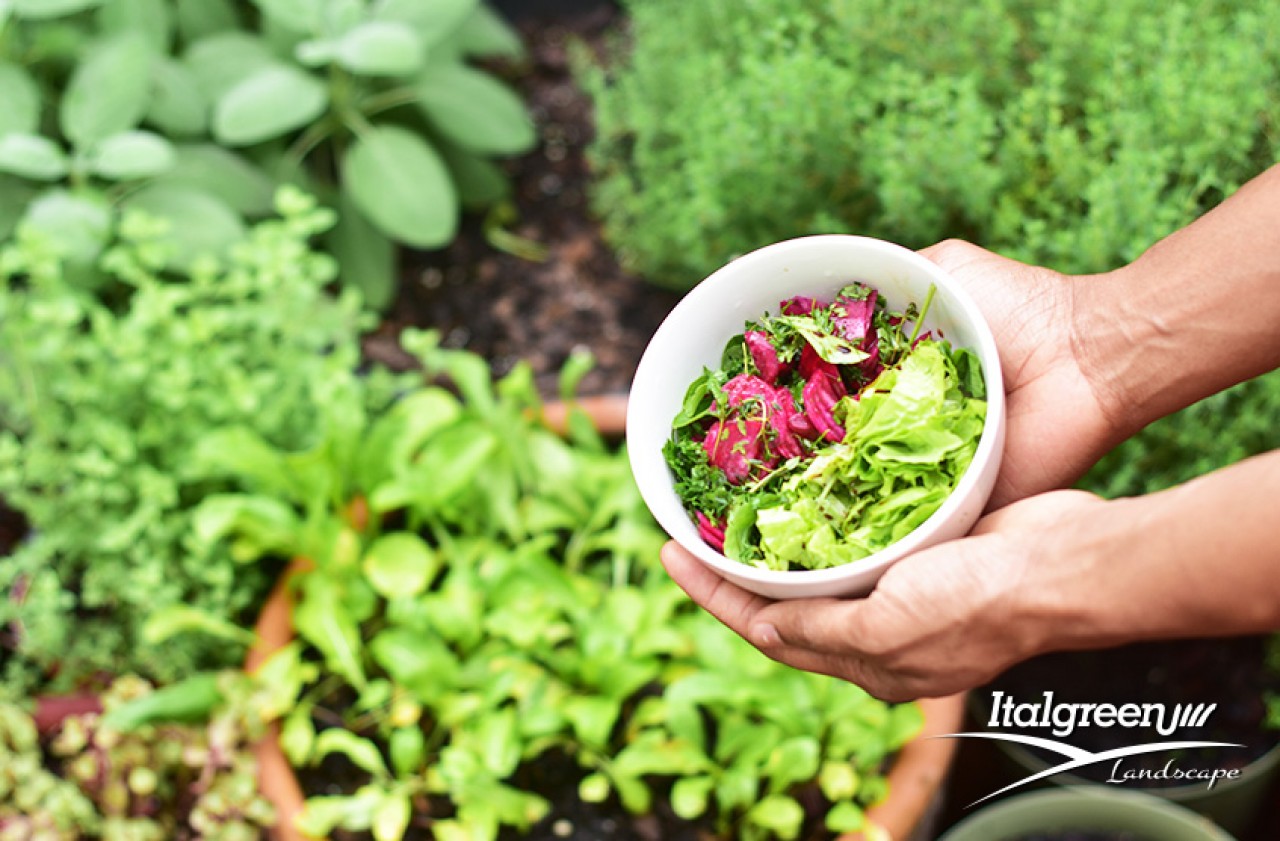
<point>1234,804</point>
<point>1086,809</point>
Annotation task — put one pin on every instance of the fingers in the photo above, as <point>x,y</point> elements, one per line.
<point>724,600</point>
<point>820,625</point>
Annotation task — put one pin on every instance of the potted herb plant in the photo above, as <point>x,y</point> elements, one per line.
<point>481,608</point>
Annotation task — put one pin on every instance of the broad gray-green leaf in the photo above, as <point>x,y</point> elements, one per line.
<point>381,48</point>
<point>341,16</point>
<point>479,181</point>
<point>434,22</point>
<point>272,101</point>
<point>178,105</point>
<point>220,62</point>
<point>199,224</point>
<point>305,16</point>
<point>475,110</point>
<point>44,9</point>
<point>77,225</point>
<point>109,91</point>
<point>15,194</point>
<point>402,186</point>
<point>484,34</point>
<point>132,154</point>
<point>400,564</point>
<point>153,19</point>
<point>201,18</point>
<point>21,98</point>
<point>32,156</point>
<point>366,258</point>
<point>223,174</point>
<point>316,52</point>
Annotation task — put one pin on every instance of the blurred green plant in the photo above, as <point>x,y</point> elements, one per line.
<point>153,782</point>
<point>194,110</point>
<point>101,408</point>
<point>484,594</point>
<point>1072,134</point>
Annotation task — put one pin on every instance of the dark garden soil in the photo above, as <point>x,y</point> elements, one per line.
<point>508,308</point>
<point>1230,673</point>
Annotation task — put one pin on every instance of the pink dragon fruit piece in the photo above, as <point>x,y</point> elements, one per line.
<point>712,533</point>
<point>800,305</point>
<point>820,400</point>
<point>733,445</point>
<point>764,355</point>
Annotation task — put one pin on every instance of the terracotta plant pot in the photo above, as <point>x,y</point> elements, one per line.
<point>915,780</point>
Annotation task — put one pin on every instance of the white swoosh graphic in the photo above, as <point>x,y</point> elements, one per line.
<point>1079,757</point>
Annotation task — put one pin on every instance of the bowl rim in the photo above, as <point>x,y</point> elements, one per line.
<point>706,292</point>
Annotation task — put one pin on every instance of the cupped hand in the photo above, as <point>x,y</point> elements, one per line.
<point>942,620</point>
<point>1058,425</point>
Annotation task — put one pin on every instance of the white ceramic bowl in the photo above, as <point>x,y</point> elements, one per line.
<point>694,334</point>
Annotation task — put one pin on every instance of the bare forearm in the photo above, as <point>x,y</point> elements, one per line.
<point>1197,560</point>
<point>1195,314</point>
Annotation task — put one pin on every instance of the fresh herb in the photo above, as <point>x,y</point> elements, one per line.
<point>197,111</point>
<point>102,409</point>
<point>844,434</point>
<point>503,604</point>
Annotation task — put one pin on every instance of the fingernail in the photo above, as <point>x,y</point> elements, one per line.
<point>766,634</point>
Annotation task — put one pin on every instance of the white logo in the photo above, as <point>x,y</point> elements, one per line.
<point>1063,719</point>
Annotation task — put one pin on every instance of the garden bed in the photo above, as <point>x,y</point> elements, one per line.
<point>506,307</point>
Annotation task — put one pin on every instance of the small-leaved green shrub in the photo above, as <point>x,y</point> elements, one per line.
<point>194,110</point>
<point>1072,134</point>
<point>482,594</point>
<point>163,782</point>
<point>101,408</point>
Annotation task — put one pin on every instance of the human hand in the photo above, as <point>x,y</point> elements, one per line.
<point>942,620</point>
<point>1057,424</point>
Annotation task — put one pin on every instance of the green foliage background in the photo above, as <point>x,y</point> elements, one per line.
<point>1069,134</point>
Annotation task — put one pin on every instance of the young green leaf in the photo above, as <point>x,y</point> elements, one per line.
<point>380,48</point>
<point>32,156</point>
<point>391,818</point>
<point>400,564</point>
<point>689,796</point>
<point>199,224</point>
<point>131,154</point>
<point>270,102</point>
<point>594,788</point>
<point>153,19</point>
<point>177,619</point>
<point>362,752</point>
<point>223,174</point>
<point>324,621</point>
<point>21,98</point>
<point>15,195</point>
<point>366,258</point>
<point>780,814</point>
<point>408,749</point>
<point>402,186</point>
<point>178,105</point>
<point>321,815</point>
<point>845,816</point>
<point>479,181</point>
<point>474,110</point>
<point>298,736</point>
<point>44,9</point>
<point>109,91</point>
<point>77,224</point>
